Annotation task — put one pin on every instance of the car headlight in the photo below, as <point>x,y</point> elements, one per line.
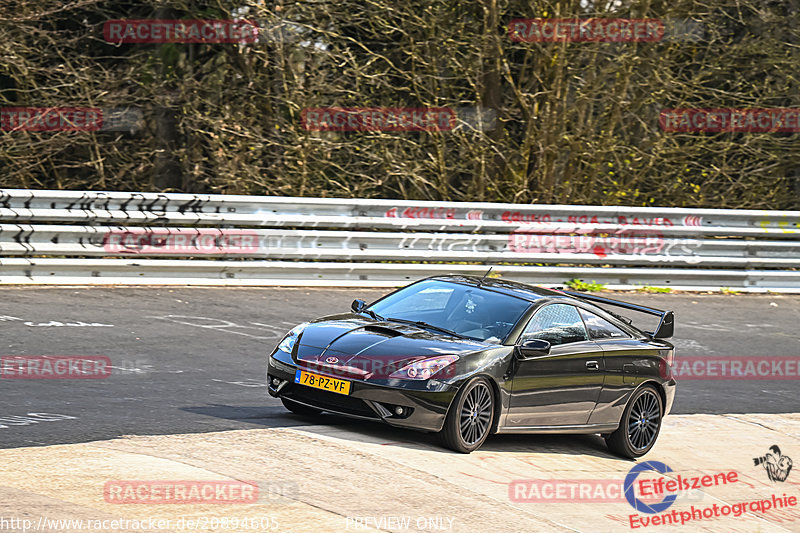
<point>426,368</point>
<point>287,343</point>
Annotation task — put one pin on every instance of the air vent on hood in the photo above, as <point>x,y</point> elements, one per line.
<point>383,330</point>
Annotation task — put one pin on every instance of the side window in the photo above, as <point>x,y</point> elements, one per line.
<point>557,324</point>
<point>600,328</point>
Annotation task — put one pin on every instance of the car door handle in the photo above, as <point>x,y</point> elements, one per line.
<point>592,365</point>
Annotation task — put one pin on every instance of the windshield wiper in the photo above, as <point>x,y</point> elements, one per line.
<point>422,324</point>
<point>373,314</point>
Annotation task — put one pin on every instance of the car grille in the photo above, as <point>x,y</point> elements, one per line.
<point>330,400</point>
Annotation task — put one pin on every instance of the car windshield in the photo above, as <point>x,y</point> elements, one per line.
<point>466,310</point>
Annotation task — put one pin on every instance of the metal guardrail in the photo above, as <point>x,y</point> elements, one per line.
<point>54,240</point>
<point>90,237</point>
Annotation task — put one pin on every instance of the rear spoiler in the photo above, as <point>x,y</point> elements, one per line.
<point>666,324</point>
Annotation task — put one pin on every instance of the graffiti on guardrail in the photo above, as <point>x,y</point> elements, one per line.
<point>462,243</point>
<point>532,242</point>
<point>786,226</point>
<point>602,245</point>
<point>525,218</point>
<point>96,203</point>
<point>244,242</point>
<point>129,224</point>
<point>162,203</point>
<point>519,217</point>
<point>422,212</point>
<point>181,241</point>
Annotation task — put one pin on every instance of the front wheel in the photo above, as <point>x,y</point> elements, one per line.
<point>639,426</point>
<point>470,417</point>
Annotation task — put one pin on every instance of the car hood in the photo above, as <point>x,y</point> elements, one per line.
<point>361,348</point>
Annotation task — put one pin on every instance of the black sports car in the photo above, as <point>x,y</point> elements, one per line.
<point>468,357</point>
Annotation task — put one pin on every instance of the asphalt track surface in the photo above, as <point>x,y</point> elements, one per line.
<point>192,360</point>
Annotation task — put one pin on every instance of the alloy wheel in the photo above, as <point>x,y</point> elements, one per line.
<point>644,420</point>
<point>476,414</point>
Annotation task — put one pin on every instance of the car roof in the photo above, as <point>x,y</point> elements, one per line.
<point>534,294</point>
<point>527,292</point>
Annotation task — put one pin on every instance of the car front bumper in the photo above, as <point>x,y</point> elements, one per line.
<point>422,409</point>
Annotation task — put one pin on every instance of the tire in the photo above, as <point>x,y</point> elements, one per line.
<point>299,408</point>
<point>470,417</point>
<point>638,428</point>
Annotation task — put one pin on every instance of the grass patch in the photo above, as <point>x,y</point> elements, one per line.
<point>578,285</point>
<point>650,289</point>
<point>728,290</point>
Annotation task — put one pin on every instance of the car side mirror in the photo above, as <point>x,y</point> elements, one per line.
<point>358,306</point>
<point>533,348</point>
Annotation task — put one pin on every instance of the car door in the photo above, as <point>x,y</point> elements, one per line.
<point>562,387</point>
<point>621,353</point>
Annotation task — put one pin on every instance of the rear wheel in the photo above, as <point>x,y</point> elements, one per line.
<point>640,424</point>
<point>470,417</point>
<point>299,408</point>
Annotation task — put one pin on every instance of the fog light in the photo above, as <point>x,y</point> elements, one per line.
<point>275,382</point>
<point>398,411</point>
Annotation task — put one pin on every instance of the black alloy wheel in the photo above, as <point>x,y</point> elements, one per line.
<point>640,424</point>
<point>470,418</point>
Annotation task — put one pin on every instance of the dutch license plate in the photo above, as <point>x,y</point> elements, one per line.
<point>308,379</point>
